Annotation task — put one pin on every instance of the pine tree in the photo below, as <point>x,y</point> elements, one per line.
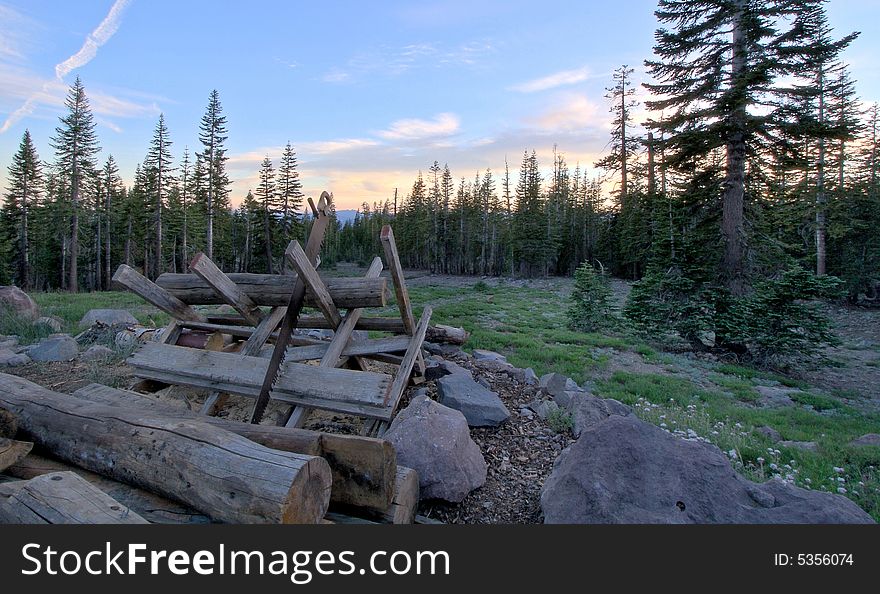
<point>25,188</point>
<point>624,144</point>
<point>267,200</point>
<point>290,195</point>
<point>212,134</point>
<point>158,164</point>
<point>111,184</point>
<point>76,145</point>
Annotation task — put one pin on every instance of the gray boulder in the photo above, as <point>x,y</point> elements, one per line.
<point>588,410</point>
<point>775,396</point>
<point>58,347</point>
<point>556,384</point>
<point>435,441</point>
<point>108,317</point>
<point>625,471</point>
<point>97,352</point>
<point>543,407</point>
<point>808,446</point>
<point>869,439</point>
<point>530,377</point>
<point>479,405</point>
<point>9,358</point>
<point>52,323</point>
<point>483,355</point>
<point>770,433</point>
<point>19,302</point>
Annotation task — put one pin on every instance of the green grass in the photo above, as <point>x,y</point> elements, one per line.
<point>71,307</point>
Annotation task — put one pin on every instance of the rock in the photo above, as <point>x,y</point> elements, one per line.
<point>108,317</point>
<point>869,439</point>
<point>58,347</point>
<point>482,355</point>
<point>53,323</point>
<point>589,410</point>
<point>770,433</point>
<point>556,384</point>
<point>809,446</point>
<point>479,405</point>
<point>625,471</point>
<point>543,407</point>
<point>526,412</point>
<point>19,302</point>
<point>530,377</point>
<point>9,342</point>
<point>226,309</point>
<point>443,350</point>
<point>451,368</point>
<point>319,334</point>
<point>435,441</point>
<point>9,358</point>
<point>775,397</point>
<point>97,352</point>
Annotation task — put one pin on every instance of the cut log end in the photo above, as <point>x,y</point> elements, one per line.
<point>309,495</point>
<point>8,424</point>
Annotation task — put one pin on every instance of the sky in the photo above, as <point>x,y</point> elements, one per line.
<point>368,93</point>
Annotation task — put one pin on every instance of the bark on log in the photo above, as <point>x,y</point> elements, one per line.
<point>219,473</point>
<point>61,498</point>
<point>275,289</point>
<point>364,469</point>
<point>151,507</point>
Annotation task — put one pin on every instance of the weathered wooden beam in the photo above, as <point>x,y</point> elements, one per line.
<point>151,507</point>
<point>363,468</point>
<point>11,451</point>
<point>409,359</point>
<point>393,260</point>
<point>227,290</point>
<point>396,344</point>
<point>217,472</point>
<point>402,509</point>
<point>8,424</point>
<point>300,262</point>
<point>61,498</point>
<point>275,289</point>
<point>137,283</point>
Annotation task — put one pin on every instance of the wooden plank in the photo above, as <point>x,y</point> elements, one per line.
<point>275,289</point>
<point>393,261</point>
<point>151,507</point>
<point>227,290</point>
<point>11,451</point>
<point>137,283</point>
<point>301,263</point>
<point>396,344</point>
<point>363,468</point>
<point>61,498</point>
<point>342,390</point>
<point>219,473</point>
<point>409,359</point>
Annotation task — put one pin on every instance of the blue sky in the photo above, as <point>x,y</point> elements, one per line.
<point>368,92</point>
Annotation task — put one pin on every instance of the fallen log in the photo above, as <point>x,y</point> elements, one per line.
<point>151,507</point>
<point>219,473</point>
<point>61,498</point>
<point>12,451</point>
<point>364,469</point>
<point>275,289</point>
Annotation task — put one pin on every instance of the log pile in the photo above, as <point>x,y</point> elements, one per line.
<point>130,458</point>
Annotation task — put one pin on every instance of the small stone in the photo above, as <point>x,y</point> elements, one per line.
<point>108,317</point>
<point>808,446</point>
<point>97,352</point>
<point>53,323</point>
<point>770,433</point>
<point>531,378</point>
<point>19,302</point>
<point>480,406</point>
<point>483,355</point>
<point>58,347</point>
<point>11,359</point>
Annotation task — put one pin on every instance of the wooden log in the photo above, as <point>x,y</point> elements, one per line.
<point>12,451</point>
<point>137,283</point>
<point>219,473</point>
<point>319,350</point>
<point>438,333</point>
<point>223,286</point>
<point>61,498</point>
<point>151,507</point>
<point>413,352</point>
<point>363,468</point>
<point>8,424</point>
<point>275,289</point>
<point>313,283</point>
<point>361,393</point>
<point>402,510</point>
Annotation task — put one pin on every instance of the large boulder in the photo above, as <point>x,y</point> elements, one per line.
<point>9,358</point>
<point>19,302</point>
<point>58,347</point>
<point>626,471</point>
<point>479,405</point>
<point>588,410</point>
<point>435,441</point>
<point>108,317</point>
<point>869,439</point>
<point>556,385</point>
<point>484,355</point>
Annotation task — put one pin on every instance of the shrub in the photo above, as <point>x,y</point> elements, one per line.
<point>560,421</point>
<point>590,308</point>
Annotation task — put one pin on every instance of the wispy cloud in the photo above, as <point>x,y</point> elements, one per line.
<point>444,124</point>
<point>552,81</point>
<point>102,33</point>
<point>571,113</point>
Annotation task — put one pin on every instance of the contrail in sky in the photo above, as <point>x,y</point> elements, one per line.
<point>102,33</point>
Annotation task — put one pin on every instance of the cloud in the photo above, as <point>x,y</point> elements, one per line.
<point>572,113</point>
<point>552,81</point>
<point>102,33</point>
<point>444,124</point>
<point>336,76</point>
